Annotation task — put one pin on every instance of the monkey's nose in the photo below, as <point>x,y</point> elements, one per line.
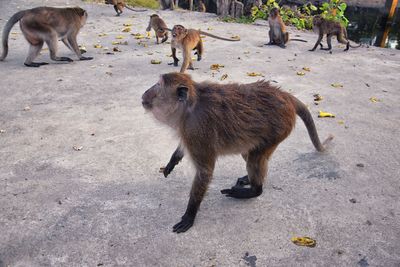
<point>146,104</point>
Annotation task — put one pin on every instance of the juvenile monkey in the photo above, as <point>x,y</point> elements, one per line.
<point>218,119</point>
<point>119,6</point>
<point>188,40</point>
<point>277,30</point>
<point>47,24</point>
<point>202,6</point>
<point>330,28</point>
<point>159,27</point>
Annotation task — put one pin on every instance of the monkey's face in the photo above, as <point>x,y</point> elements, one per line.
<point>274,12</point>
<point>179,32</point>
<point>317,21</point>
<point>169,98</point>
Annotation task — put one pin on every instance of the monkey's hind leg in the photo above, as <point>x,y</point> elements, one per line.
<point>32,54</point>
<point>200,50</point>
<point>257,166</point>
<point>176,60</point>
<point>329,42</point>
<point>343,41</point>
<point>116,10</point>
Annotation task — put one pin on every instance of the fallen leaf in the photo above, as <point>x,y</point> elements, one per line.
<point>127,29</point>
<point>138,35</point>
<point>77,148</point>
<point>255,74</point>
<point>223,77</point>
<point>306,69</point>
<point>120,37</point>
<point>374,99</point>
<point>115,42</point>
<point>323,114</point>
<point>304,241</point>
<point>127,24</point>
<point>155,61</point>
<point>216,66</point>
<point>97,46</point>
<point>337,85</point>
<point>300,73</point>
<point>102,34</point>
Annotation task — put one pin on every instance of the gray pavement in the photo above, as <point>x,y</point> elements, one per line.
<point>107,204</point>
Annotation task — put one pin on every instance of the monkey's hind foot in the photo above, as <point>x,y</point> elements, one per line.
<point>35,64</point>
<point>64,59</point>
<point>85,58</point>
<point>184,224</point>
<point>242,192</point>
<point>242,181</point>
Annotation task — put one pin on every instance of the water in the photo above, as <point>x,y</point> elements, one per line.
<point>367,25</point>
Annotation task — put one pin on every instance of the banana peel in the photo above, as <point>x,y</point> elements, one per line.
<point>255,74</point>
<point>155,61</point>
<point>216,66</point>
<point>304,241</point>
<point>323,114</point>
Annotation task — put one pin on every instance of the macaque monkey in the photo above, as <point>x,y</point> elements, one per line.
<point>330,28</point>
<point>219,119</point>
<point>47,24</point>
<point>120,4</point>
<point>159,27</point>
<point>188,40</point>
<point>277,30</point>
<point>202,6</point>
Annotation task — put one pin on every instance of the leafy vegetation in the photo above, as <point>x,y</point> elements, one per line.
<point>301,17</point>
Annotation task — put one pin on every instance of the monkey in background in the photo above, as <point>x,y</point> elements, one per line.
<point>188,40</point>
<point>202,6</point>
<point>277,30</point>
<point>219,119</point>
<point>330,28</point>
<point>47,24</point>
<point>119,6</point>
<point>159,27</point>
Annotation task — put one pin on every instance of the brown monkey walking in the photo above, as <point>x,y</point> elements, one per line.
<point>330,28</point>
<point>277,30</point>
<point>215,119</point>
<point>188,40</point>
<point>159,27</point>
<point>47,24</point>
<point>119,6</point>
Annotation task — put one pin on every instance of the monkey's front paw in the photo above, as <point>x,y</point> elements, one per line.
<point>167,169</point>
<point>86,58</point>
<point>35,64</point>
<point>241,192</point>
<point>183,225</point>
<point>312,50</point>
<point>176,63</point>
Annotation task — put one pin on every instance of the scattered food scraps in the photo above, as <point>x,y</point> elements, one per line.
<point>82,48</point>
<point>116,49</point>
<point>337,85</point>
<point>317,97</point>
<point>148,34</point>
<point>323,114</point>
<point>340,122</point>
<point>97,46</point>
<point>77,148</point>
<point>255,74</point>
<point>235,37</point>
<point>138,35</point>
<point>102,34</point>
<point>209,29</point>
<point>306,69</point>
<point>223,77</point>
<point>374,99</point>
<point>300,73</point>
<point>304,241</point>
<point>127,24</point>
<point>115,42</point>
<point>155,61</point>
<point>127,29</point>
<point>120,37</point>
<point>216,66</point>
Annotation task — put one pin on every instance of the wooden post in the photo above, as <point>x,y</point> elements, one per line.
<point>391,5</point>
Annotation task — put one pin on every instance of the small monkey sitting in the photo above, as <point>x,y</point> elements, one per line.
<point>219,119</point>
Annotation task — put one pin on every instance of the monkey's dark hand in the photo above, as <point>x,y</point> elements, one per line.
<point>167,169</point>
<point>241,192</point>
<point>242,181</point>
<point>86,58</point>
<point>66,59</point>
<point>184,225</point>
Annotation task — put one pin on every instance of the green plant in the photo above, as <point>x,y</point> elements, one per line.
<point>334,10</point>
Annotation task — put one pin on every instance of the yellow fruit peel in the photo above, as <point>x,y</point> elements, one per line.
<point>323,114</point>
<point>304,241</point>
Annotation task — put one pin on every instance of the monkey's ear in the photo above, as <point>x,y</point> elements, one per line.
<point>182,93</point>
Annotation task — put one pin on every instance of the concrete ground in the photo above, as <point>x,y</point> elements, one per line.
<point>108,205</point>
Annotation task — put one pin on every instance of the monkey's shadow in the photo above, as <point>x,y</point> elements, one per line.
<point>317,165</point>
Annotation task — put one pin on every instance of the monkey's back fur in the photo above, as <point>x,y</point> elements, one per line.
<point>239,118</point>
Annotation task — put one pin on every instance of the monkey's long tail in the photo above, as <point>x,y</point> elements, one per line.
<point>299,40</point>
<point>136,10</point>
<point>6,32</point>
<point>217,37</point>
<point>305,115</point>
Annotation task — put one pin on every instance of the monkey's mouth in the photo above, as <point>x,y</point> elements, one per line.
<point>174,35</point>
<point>146,105</point>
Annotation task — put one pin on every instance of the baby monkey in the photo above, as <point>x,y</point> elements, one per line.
<point>47,24</point>
<point>219,119</point>
<point>330,28</point>
<point>277,30</point>
<point>188,40</point>
<point>159,27</point>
